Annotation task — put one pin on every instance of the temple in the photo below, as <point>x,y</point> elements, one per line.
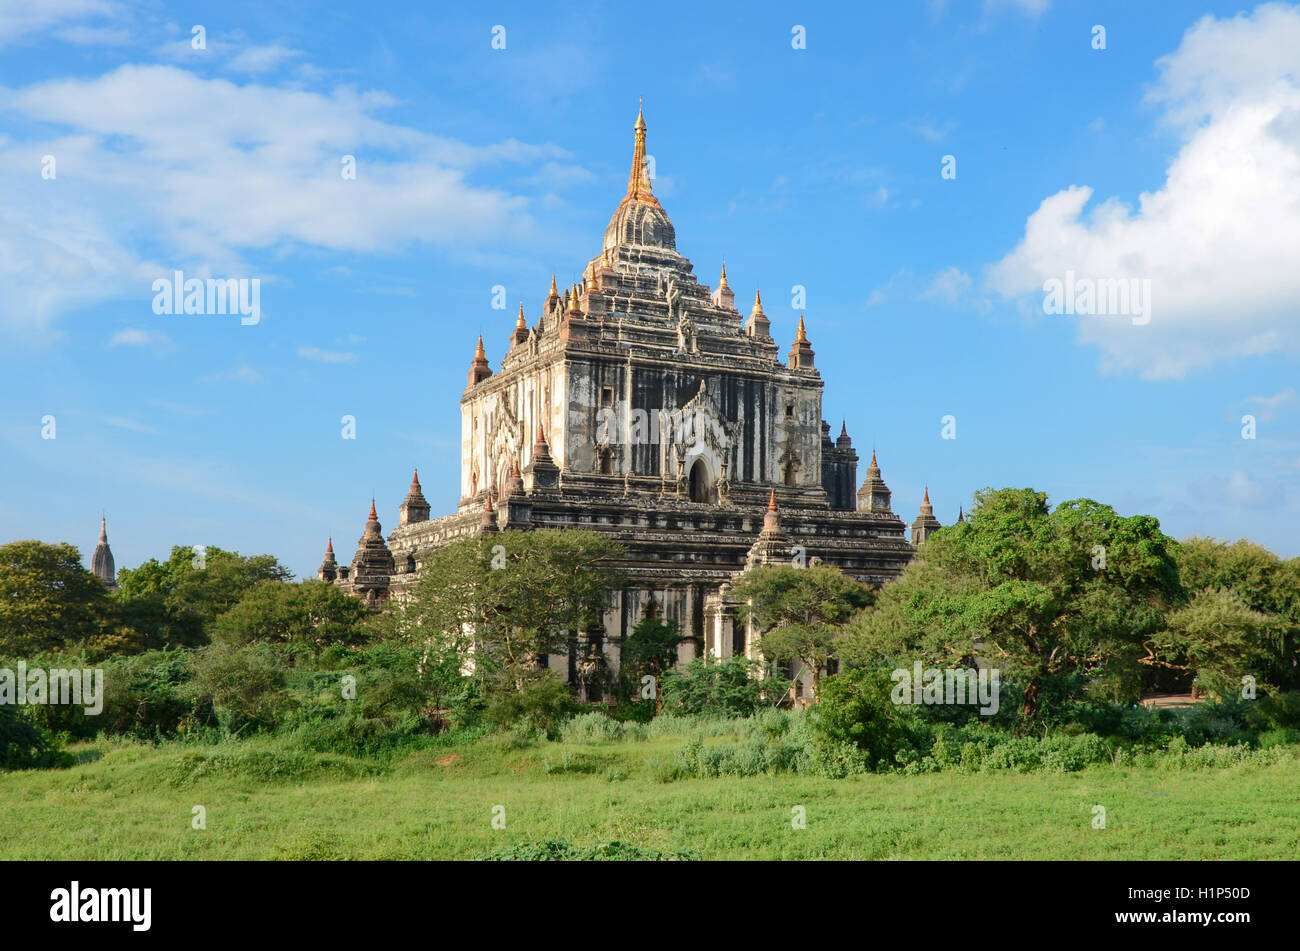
<point>642,403</point>
<point>101,562</point>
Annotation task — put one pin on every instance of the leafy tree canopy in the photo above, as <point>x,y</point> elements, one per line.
<point>47,599</point>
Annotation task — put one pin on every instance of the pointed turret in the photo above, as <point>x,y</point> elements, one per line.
<point>479,370</point>
<point>520,333</point>
<point>329,568</point>
<point>926,524</point>
<point>801,351</point>
<point>844,442</point>
<point>101,562</point>
<point>772,547</point>
<point>542,472</point>
<point>488,523</point>
<point>724,296</point>
<point>372,565</point>
<point>874,494</point>
<point>961,515</point>
<point>414,508</point>
<point>758,326</point>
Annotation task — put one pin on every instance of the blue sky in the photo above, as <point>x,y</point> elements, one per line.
<point>1172,155</point>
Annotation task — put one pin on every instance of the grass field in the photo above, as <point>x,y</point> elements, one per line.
<point>264,800</point>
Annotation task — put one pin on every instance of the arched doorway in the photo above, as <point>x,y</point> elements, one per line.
<point>700,482</point>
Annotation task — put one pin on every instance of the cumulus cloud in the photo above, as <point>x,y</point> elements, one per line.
<point>206,172</point>
<point>1220,239</point>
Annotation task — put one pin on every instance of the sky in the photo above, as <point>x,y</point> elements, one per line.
<point>922,170</point>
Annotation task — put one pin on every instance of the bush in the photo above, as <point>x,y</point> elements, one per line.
<point>24,745</point>
<point>856,709</point>
<point>542,703</point>
<point>729,688</point>
<point>245,685</point>
<point>597,728</point>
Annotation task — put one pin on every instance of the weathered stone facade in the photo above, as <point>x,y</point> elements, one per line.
<point>642,404</point>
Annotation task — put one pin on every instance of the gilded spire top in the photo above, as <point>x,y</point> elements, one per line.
<point>638,179</point>
<point>802,335</point>
<point>758,303</point>
<point>479,352</point>
<point>555,291</point>
<point>521,324</point>
<point>722,281</point>
<point>771,501</point>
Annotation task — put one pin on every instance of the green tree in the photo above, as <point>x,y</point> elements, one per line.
<point>649,650</point>
<point>1261,584</point>
<point>729,688</point>
<point>801,611</point>
<point>307,617</point>
<point>512,597</point>
<point>1044,595</point>
<point>47,599</point>
<point>177,601</point>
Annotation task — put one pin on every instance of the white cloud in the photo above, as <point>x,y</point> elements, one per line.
<point>950,286</point>
<point>931,131</point>
<point>1269,405</point>
<point>94,35</point>
<point>24,18</point>
<point>241,374</point>
<point>1220,239</point>
<point>135,337</point>
<point>124,422</point>
<point>1240,489</point>
<point>326,356</point>
<point>261,59</point>
<point>210,172</point>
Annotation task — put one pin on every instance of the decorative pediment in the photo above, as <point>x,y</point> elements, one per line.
<point>700,422</point>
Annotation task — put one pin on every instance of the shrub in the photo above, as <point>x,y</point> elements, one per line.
<point>23,745</point>
<point>543,703</point>
<point>856,709</point>
<point>728,688</point>
<point>595,727</point>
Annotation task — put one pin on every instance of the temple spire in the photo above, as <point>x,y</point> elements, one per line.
<point>638,179</point>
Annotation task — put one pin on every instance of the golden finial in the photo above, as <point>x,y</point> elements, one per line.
<point>722,281</point>
<point>479,352</point>
<point>555,292</point>
<point>521,324</point>
<point>638,179</point>
<point>802,335</point>
<point>758,303</point>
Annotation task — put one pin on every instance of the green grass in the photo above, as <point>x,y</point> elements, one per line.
<point>266,800</point>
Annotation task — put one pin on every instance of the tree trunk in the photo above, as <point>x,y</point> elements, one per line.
<point>1029,708</point>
